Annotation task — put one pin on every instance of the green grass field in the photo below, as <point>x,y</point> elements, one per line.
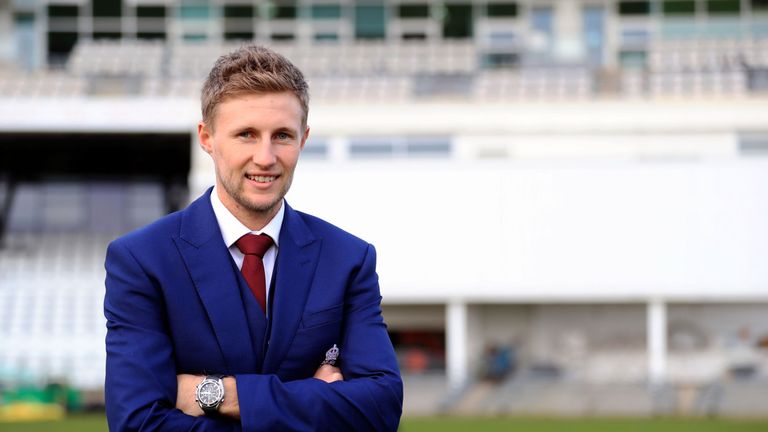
<point>96,423</point>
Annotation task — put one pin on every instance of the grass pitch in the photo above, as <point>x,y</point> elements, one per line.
<point>98,423</point>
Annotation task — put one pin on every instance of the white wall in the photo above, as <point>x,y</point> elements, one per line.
<point>538,231</point>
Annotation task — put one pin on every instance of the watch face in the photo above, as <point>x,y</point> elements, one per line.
<point>209,393</point>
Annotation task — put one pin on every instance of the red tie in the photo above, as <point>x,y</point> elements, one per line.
<point>254,247</point>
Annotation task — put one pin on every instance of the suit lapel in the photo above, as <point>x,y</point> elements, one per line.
<point>209,264</point>
<point>295,268</point>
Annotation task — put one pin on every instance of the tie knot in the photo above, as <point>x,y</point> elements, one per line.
<point>251,244</point>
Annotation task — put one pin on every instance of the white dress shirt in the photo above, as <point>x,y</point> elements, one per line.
<point>232,229</point>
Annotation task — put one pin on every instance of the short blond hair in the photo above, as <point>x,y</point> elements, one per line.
<point>252,69</point>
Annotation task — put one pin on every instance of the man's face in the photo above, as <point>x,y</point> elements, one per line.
<point>255,141</point>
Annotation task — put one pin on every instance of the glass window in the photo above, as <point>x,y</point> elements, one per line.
<point>326,37</point>
<point>634,7</point>
<point>283,36</point>
<point>25,40</point>
<point>107,35</point>
<point>238,22</point>
<point>194,11</point>
<point>542,23</point>
<point>724,7</point>
<point>195,37</point>
<point>285,11</point>
<point>428,146</point>
<point>458,20</point>
<point>326,11</point>
<point>60,44</point>
<point>370,21</point>
<point>637,37</point>
<point>150,35</point>
<point>501,10</point>
<point>501,60</point>
<point>107,8</point>
<point>388,147</point>
<point>316,148</point>
<point>632,59</point>
<point>239,11</point>
<point>413,11</point>
<point>363,148</point>
<point>593,23</point>
<point>150,11</point>
<point>679,7</point>
<point>760,5</point>
<point>151,22</point>
<point>61,11</point>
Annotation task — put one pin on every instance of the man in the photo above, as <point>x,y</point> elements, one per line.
<point>207,333</point>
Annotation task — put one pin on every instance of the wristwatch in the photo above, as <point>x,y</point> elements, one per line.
<point>209,394</point>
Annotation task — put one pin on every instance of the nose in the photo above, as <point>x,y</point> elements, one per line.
<point>264,154</point>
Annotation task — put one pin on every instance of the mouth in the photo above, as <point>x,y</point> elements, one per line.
<point>261,178</point>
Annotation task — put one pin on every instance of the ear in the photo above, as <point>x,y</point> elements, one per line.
<point>205,136</point>
<point>304,138</point>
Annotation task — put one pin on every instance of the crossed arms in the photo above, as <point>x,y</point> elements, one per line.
<point>145,391</point>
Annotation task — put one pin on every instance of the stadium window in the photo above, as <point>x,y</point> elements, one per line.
<point>501,10</point>
<point>388,147</point>
<point>753,144</point>
<point>420,10</point>
<point>150,22</point>
<point>501,60</point>
<point>61,11</point>
<point>283,11</point>
<point>428,147</point>
<point>760,5</point>
<point>634,7</point>
<point>107,8</point>
<point>239,11</point>
<point>370,148</point>
<point>457,21</point>
<point>60,44</point>
<point>414,36</point>
<point>326,11</point>
<point>194,11</point>
<point>107,35</point>
<point>316,148</point>
<point>150,35</point>
<point>283,36</point>
<point>635,37</point>
<point>62,18</point>
<point>629,59</point>
<point>195,37</point>
<point>326,37</point>
<point>724,7</point>
<point>679,7</point>
<point>370,21</point>
<point>150,11</point>
<point>238,22</point>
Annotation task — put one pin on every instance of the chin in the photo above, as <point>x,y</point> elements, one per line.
<point>260,205</point>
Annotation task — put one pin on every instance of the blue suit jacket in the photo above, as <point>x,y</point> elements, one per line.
<point>174,304</point>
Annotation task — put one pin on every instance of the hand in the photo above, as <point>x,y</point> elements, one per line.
<point>185,395</point>
<point>329,373</point>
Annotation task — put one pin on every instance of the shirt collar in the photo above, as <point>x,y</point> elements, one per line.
<point>232,229</point>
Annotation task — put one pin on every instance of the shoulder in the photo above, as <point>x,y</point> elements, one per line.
<point>151,236</point>
<point>329,232</point>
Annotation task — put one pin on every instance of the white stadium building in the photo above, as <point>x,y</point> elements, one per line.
<point>569,198</point>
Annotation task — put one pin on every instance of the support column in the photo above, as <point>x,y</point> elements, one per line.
<point>657,341</point>
<point>456,344</point>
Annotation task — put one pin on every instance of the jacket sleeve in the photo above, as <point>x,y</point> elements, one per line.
<point>369,398</point>
<point>140,387</point>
